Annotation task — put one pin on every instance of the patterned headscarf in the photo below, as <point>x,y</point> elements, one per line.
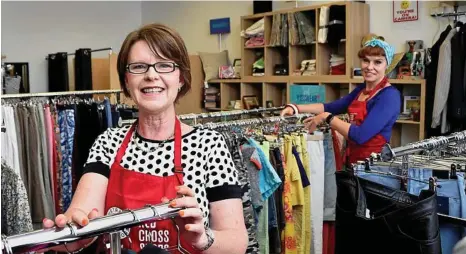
<point>389,50</point>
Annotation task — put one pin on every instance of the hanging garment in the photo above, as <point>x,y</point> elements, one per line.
<point>431,79</point>
<point>330,185</point>
<point>279,192</point>
<point>358,112</point>
<point>67,126</point>
<point>456,114</point>
<point>304,227</point>
<point>16,216</point>
<point>122,189</point>
<point>83,69</point>
<point>442,87</point>
<point>288,236</point>
<point>39,196</point>
<point>58,72</point>
<point>10,151</point>
<point>317,163</point>
<point>387,220</point>
<point>243,177</point>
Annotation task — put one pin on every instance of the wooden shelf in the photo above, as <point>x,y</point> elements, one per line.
<point>408,122</point>
<point>276,88</point>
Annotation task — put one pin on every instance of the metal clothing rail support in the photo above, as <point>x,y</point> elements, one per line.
<point>92,50</point>
<point>388,153</point>
<point>52,94</point>
<point>46,238</point>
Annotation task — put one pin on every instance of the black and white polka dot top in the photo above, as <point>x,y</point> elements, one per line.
<point>207,163</point>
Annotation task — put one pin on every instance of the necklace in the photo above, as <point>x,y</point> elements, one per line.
<point>147,150</point>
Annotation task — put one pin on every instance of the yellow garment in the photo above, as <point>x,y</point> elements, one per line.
<point>301,220</point>
<point>297,192</point>
<point>288,236</point>
<point>307,195</point>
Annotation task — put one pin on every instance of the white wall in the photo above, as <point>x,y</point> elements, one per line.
<point>31,30</point>
<point>191,20</point>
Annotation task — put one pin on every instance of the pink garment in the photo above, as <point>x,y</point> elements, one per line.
<point>255,41</point>
<point>49,131</point>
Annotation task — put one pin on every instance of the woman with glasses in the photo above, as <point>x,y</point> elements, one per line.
<point>159,159</point>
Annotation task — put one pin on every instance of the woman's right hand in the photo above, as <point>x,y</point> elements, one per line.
<point>76,216</point>
<point>287,111</point>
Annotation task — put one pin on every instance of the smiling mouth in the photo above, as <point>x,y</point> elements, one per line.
<point>151,90</point>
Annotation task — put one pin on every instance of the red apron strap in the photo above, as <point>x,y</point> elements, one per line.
<point>124,145</point>
<point>177,160</point>
<point>379,86</point>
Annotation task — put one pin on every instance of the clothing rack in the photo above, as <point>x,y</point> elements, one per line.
<point>92,50</point>
<point>455,13</point>
<point>389,153</point>
<point>273,119</point>
<point>217,114</point>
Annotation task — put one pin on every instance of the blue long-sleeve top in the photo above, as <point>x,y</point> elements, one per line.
<point>382,112</point>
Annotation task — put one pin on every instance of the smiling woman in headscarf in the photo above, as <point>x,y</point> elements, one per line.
<point>373,107</point>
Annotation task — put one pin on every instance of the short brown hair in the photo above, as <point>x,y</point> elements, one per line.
<point>371,51</point>
<point>163,38</point>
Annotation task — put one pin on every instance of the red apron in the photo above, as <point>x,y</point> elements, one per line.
<point>133,190</point>
<point>357,111</point>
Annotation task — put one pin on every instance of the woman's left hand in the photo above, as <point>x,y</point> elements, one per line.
<point>311,123</point>
<point>190,220</point>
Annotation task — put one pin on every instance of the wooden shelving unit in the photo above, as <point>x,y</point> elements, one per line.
<point>276,88</point>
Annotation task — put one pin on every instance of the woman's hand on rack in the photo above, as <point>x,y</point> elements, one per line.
<point>76,216</point>
<point>311,123</point>
<point>287,111</point>
<point>190,220</point>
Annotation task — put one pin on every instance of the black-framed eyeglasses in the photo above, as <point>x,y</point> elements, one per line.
<point>160,67</point>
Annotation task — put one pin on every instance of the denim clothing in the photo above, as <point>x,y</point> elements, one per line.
<point>330,185</point>
<point>108,113</point>
<point>451,201</point>
<point>389,181</point>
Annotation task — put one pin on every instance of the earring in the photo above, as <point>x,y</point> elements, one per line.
<point>179,89</point>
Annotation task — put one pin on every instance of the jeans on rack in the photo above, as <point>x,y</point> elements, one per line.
<point>373,218</point>
<point>451,201</point>
<point>330,185</point>
<point>389,181</point>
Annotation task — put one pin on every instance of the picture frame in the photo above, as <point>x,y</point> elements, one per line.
<point>238,104</point>
<point>269,104</point>
<point>250,102</point>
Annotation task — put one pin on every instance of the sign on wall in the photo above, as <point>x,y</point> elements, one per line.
<point>306,94</point>
<point>220,26</point>
<point>405,11</point>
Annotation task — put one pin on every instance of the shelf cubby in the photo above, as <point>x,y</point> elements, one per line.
<point>275,56</point>
<point>229,92</point>
<point>251,55</point>
<point>252,89</point>
<point>275,92</point>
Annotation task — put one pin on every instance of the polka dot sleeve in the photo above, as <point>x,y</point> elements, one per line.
<point>99,160</point>
<point>222,177</point>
